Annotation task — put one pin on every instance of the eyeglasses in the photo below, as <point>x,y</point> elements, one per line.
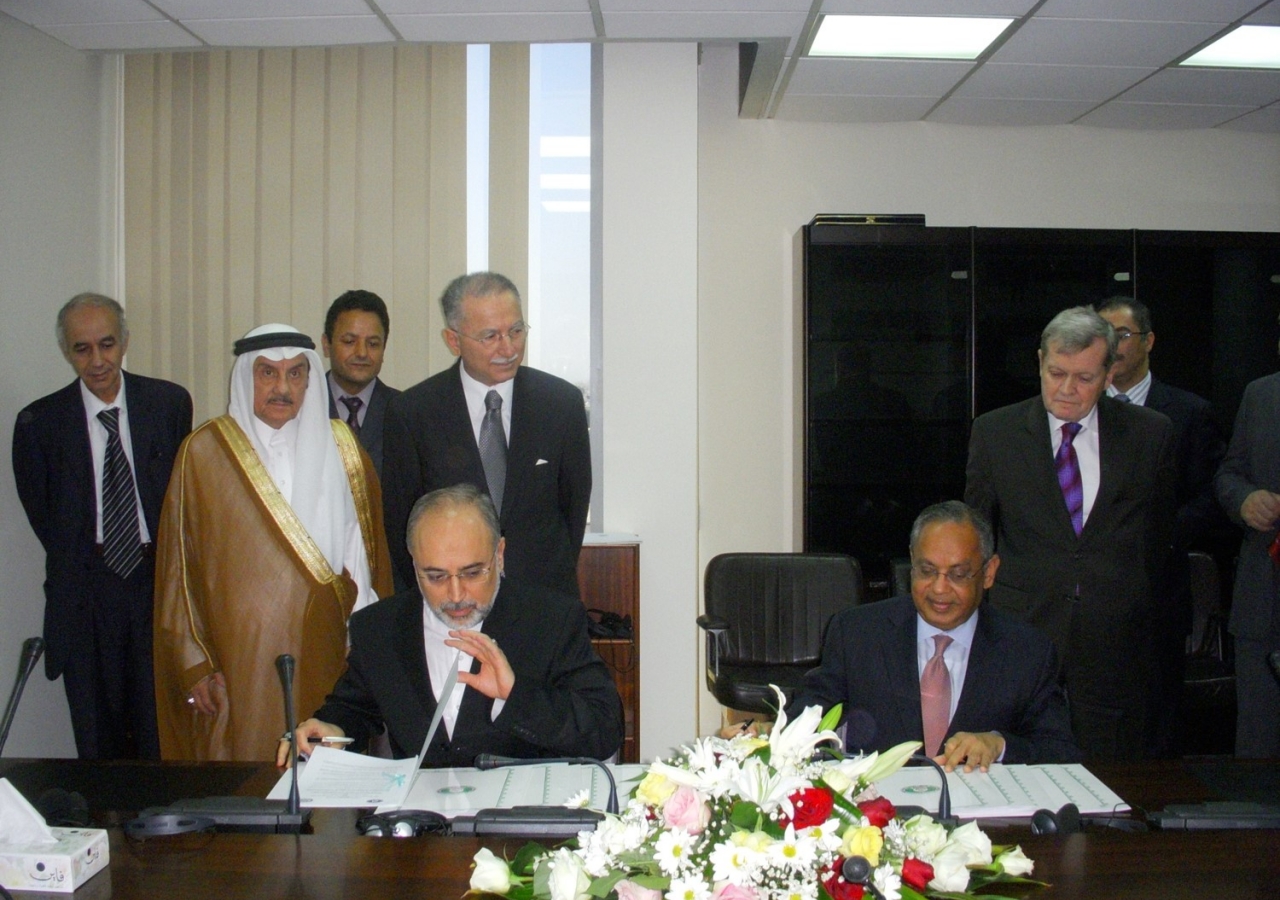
<point>1123,334</point>
<point>490,338</point>
<point>466,575</point>
<point>957,577</point>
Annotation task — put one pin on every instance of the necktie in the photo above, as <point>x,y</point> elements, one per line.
<point>1123,398</point>
<point>935,697</point>
<point>121,542</point>
<point>353,405</point>
<point>1068,466</point>
<point>493,447</point>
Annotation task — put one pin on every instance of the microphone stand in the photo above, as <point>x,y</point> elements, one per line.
<point>943,816</point>
<point>32,648</point>
<point>535,821</point>
<point>490,761</point>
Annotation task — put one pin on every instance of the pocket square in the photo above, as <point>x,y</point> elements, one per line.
<point>541,462</point>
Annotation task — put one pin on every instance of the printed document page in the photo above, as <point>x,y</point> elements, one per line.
<point>1004,791</point>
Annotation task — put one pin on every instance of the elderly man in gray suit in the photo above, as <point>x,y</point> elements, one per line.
<point>1248,487</point>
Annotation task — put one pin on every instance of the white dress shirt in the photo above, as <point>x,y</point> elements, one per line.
<point>475,392</point>
<point>956,656</point>
<point>98,450</point>
<point>1136,394</point>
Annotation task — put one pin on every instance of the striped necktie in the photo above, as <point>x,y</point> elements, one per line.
<point>1068,466</point>
<point>121,540</point>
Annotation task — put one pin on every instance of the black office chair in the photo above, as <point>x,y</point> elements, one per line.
<point>766,615</point>
<point>1209,684</point>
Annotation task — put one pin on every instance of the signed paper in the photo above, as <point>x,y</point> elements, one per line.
<point>1004,791</point>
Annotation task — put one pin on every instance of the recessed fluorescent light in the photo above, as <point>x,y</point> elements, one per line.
<point>1248,47</point>
<point>906,37</point>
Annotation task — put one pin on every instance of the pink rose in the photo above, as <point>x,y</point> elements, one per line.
<point>629,890</point>
<point>729,891</point>
<point>686,809</point>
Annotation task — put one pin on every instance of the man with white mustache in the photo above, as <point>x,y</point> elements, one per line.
<point>516,433</point>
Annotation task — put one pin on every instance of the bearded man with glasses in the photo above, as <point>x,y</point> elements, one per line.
<point>976,685</point>
<point>529,683</point>
<point>518,434</point>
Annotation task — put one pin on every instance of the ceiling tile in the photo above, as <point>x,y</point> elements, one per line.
<point>978,111</point>
<point>1264,120</point>
<point>814,108</point>
<point>701,25</point>
<point>1159,116</point>
<point>868,78</point>
<point>262,9</point>
<point>1002,81</point>
<point>78,12</point>
<point>1073,42</point>
<point>481,28</point>
<point>1268,15</point>
<point>1226,87</point>
<point>317,32</point>
<point>134,36</point>
<point>1219,11</point>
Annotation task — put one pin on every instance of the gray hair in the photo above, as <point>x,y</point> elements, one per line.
<point>83,301</point>
<point>1141,314</point>
<point>477,284</point>
<point>458,495</point>
<point>1076,329</point>
<point>961,514</point>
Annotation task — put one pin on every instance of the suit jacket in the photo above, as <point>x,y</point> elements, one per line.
<point>374,418</point>
<point>430,444</point>
<point>1253,463</point>
<point>564,702</point>
<point>1011,684</point>
<point>1091,594</point>
<point>53,468</point>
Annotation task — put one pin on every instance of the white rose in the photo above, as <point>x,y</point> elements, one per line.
<point>950,869</point>
<point>567,880</point>
<point>491,874</point>
<point>924,837</point>
<point>1015,862</point>
<point>976,844</point>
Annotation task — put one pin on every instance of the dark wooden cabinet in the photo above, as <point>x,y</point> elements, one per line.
<point>609,579</point>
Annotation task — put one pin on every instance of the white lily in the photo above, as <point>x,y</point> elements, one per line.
<point>766,787</point>
<point>791,743</point>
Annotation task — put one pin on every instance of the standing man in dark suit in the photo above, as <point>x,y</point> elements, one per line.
<point>1001,700</point>
<point>1080,490</point>
<point>1248,486</point>
<point>517,433</point>
<point>529,683</point>
<point>91,463</point>
<point>356,330</point>
<point>1201,446</point>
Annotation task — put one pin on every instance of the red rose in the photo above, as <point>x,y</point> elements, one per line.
<point>916,873</point>
<point>837,887</point>
<point>879,812</point>
<point>812,806</point>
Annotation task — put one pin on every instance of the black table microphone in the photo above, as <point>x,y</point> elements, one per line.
<point>32,648</point>
<point>490,761</point>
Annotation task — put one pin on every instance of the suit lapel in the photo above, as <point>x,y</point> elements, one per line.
<point>983,672</point>
<point>412,653</point>
<point>1044,480</point>
<point>1112,439</point>
<point>899,661</point>
<point>457,425</point>
<point>521,447</point>
<point>79,456</point>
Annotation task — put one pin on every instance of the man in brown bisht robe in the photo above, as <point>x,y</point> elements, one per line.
<point>271,536</point>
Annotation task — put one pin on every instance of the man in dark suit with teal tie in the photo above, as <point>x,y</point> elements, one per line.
<point>356,330</point>
<point>92,462</point>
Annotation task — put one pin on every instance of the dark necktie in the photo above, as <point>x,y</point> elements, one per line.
<point>935,696</point>
<point>493,447</point>
<point>121,542</point>
<point>1068,466</point>
<point>353,405</point>
<point>1124,398</point>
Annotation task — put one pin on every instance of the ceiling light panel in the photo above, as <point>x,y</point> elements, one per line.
<point>1248,47</point>
<point>906,37</point>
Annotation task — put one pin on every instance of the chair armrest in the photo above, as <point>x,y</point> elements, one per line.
<point>717,630</point>
<point>714,624</point>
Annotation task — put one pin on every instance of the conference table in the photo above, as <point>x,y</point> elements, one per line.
<point>333,861</point>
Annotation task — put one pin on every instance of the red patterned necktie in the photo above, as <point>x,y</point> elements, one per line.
<point>1068,466</point>
<point>935,697</point>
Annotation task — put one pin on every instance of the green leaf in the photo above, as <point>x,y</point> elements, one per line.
<point>832,718</point>
<point>910,893</point>
<point>652,882</point>
<point>745,815</point>
<point>527,858</point>
<point>601,887</point>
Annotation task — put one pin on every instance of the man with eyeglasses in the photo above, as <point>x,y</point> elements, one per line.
<point>517,433</point>
<point>529,683</point>
<point>1080,490</point>
<point>1201,525</point>
<point>976,685</point>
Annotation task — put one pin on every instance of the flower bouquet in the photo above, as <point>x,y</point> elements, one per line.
<point>762,818</point>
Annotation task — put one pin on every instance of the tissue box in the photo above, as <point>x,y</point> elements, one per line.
<point>78,855</point>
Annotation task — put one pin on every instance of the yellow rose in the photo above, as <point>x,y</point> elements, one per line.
<point>752,840</point>
<point>655,789</point>
<point>865,842</point>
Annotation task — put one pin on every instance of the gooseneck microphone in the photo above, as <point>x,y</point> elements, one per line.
<point>490,761</point>
<point>32,648</point>
<point>285,667</point>
<point>944,816</point>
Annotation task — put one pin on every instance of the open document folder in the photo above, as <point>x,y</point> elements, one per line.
<point>1004,791</point>
<point>337,778</point>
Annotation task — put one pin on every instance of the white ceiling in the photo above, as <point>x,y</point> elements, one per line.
<point>1092,62</point>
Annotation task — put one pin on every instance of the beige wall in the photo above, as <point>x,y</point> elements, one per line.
<point>56,213</point>
<point>760,181</point>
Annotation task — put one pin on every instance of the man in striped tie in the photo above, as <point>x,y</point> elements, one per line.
<point>92,462</point>
<point>1080,489</point>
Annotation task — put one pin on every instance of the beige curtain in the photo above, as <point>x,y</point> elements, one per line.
<point>261,184</point>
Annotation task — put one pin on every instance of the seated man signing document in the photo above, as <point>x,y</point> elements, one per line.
<point>529,682</point>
